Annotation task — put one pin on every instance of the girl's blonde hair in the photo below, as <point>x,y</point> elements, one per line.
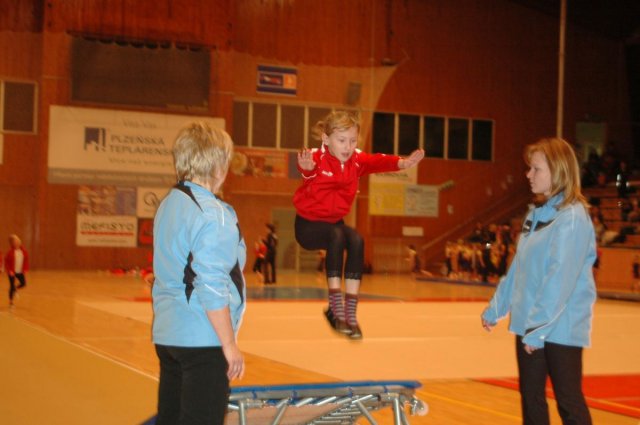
<point>337,120</point>
<point>202,152</point>
<point>563,165</point>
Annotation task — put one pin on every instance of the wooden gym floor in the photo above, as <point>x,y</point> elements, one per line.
<point>76,349</point>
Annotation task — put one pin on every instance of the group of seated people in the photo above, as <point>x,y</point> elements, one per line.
<point>627,215</point>
<point>606,170</point>
<point>483,256</point>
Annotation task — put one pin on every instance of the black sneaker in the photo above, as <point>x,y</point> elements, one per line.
<point>337,324</point>
<point>355,332</point>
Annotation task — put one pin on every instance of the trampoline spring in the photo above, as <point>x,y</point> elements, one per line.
<point>326,400</point>
<point>304,402</point>
<point>364,398</point>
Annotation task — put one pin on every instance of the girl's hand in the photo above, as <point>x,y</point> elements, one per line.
<point>412,160</point>
<point>305,160</point>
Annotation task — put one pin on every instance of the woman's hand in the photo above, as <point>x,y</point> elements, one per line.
<point>235,360</point>
<point>529,349</point>
<point>412,160</point>
<point>486,325</point>
<point>305,160</point>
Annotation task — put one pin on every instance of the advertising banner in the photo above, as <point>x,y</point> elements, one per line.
<point>406,200</point>
<point>112,147</point>
<point>106,230</point>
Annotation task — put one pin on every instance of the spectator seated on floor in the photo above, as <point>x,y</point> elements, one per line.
<point>624,231</point>
<point>633,215</point>
<point>599,227</point>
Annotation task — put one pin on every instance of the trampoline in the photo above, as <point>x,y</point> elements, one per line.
<point>324,403</point>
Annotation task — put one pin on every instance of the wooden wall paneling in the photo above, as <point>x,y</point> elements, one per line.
<point>20,166</point>
<point>20,55</point>
<point>17,215</point>
<point>222,86</point>
<point>198,22</point>
<point>331,32</point>
<point>21,15</point>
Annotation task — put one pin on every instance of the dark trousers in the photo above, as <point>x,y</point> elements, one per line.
<point>12,284</point>
<point>257,265</point>
<point>269,268</point>
<point>194,388</point>
<point>563,364</point>
<point>334,238</point>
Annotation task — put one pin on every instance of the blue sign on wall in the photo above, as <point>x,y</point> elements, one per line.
<point>277,80</point>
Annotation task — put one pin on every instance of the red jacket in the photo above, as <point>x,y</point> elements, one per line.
<point>9,261</point>
<point>328,190</point>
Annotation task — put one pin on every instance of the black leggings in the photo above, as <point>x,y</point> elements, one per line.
<point>12,283</point>
<point>334,238</point>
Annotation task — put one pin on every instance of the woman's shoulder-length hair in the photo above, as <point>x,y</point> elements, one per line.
<point>564,168</point>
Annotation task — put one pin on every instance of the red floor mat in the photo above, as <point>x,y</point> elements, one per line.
<point>614,393</point>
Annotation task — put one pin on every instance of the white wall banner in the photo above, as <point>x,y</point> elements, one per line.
<point>111,147</point>
<point>106,230</point>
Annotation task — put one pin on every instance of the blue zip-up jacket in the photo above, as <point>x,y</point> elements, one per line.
<point>198,257</point>
<point>549,288</point>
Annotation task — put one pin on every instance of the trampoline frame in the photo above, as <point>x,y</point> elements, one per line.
<point>345,402</point>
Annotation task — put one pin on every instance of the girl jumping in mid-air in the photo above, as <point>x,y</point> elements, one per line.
<point>330,182</point>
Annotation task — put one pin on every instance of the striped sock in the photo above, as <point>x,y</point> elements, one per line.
<point>335,303</point>
<point>351,305</point>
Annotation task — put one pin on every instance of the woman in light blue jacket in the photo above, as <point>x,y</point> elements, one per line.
<point>549,289</point>
<point>199,289</point>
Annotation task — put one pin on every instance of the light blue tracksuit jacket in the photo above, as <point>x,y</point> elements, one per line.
<point>198,258</point>
<point>549,288</point>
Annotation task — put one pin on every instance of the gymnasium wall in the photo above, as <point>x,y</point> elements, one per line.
<point>489,59</point>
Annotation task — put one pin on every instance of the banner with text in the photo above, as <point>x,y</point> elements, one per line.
<point>112,147</point>
<point>408,200</point>
<point>116,216</point>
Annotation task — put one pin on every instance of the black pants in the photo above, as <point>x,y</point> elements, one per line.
<point>12,284</point>
<point>563,364</point>
<point>269,268</point>
<point>257,265</point>
<point>194,388</point>
<point>334,238</point>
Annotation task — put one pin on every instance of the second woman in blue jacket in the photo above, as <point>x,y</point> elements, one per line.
<point>549,289</point>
